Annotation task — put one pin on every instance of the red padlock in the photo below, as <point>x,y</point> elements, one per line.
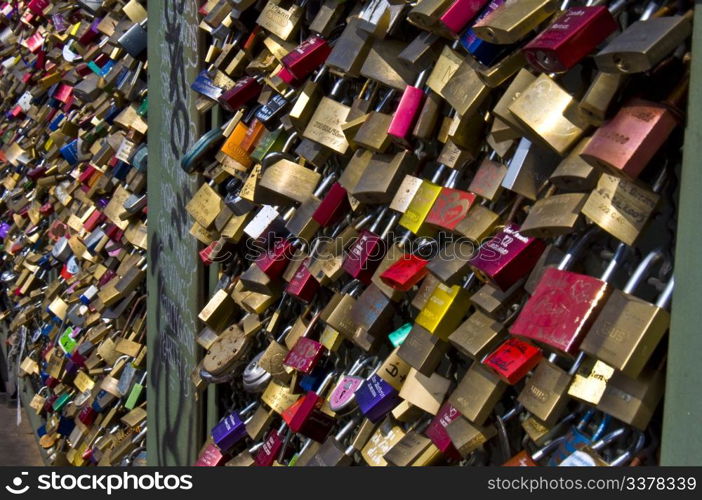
<point>244,91</point>
<point>437,431</point>
<point>333,206</point>
<point>513,360</point>
<point>275,260</point>
<point>564,304</point>
<point>305,416</point>
<point>507,257</point>
<point>307,57</point>
<point>366,253</point>
<point>451,206</point>
<point>271,448</point>
<point>574,35</point>
<point>303,286</point>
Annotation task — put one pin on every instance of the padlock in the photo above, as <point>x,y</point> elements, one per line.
<point>305,417</point>
<point>530,167</point>
<point>341,397</point>
<point>572,36</point>
<point>477,393</point>
<point>505,258</point>
<point>373,134</point>
<point>414,449</point>
<point>376,398</point>
<point>644,44</point>
<point>324,127</point>
<point>227,352</point>
<point>545,393</point>
<point>384,437</point>
<point>513,360</point>
<point>554,128</point>
<point>445,309</point>
<point>288,179</point>
<point>382,177</point>
<point>351,49</point>
<point>574,174</point>
<point>422,350</point>
<point>626,144</point>
<point>425,392</point>
<point>408,110</point>
<point>554,215</point>
<point>367,251</point>
<point>407,269</point>
<point>337,313</point>
<point>306,220</point>
<point>622,208</point>
<point>415,216</point>
<point>466,436</point>
<point>597,101</point>
<point>628,329</point>
<point>565,304</point>
<point>509,23</point>
<point>273,447</point>
<point>373,311</point>
<point>633,401</point>
<point>477,336</point>
<point>458,15</point>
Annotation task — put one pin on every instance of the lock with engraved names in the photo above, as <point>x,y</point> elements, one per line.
<point>565,304</point>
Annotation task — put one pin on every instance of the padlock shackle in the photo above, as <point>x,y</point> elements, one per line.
<point>404,239</point>
<point>324,185</point>
<point>512,413</point>
<point>631,453</point>
<point>617,259</point>
<point>325,383</point>
<point>616,7</point>
<point>587,416</point>
<point>542,452</point>
<point>385,100</point>
<point>452,179</point>
<point>577,363</point>
<point>576,249</point>
<point>439,172</point>
<point>667,294</point>
<point>290,141</point>
<point>376,224</point>
<point>359,364</point>
<point>336,89</point>
<point>320,74</point>
<point>602,428</point>
<point>470,279</point>
<point>650,9</point>
<point>248,409</point>
<point>391,223</point>
<point>344,431</point>
<point>608,439</point>
<point>642,270</point>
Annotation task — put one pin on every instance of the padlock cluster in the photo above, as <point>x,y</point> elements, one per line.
<point>442,229</point>
<point>73,164</point>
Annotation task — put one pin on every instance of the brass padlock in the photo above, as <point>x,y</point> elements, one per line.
<point>477,393</point>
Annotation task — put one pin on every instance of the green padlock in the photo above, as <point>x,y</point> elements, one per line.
<point>61,402</point>
<point>135,393</point>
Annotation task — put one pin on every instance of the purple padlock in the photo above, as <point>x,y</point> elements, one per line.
<point>231,429</point>
<point>376,398</point>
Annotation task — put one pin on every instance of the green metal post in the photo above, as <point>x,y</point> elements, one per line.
<point>175,276</point>
<point>682,440</point>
